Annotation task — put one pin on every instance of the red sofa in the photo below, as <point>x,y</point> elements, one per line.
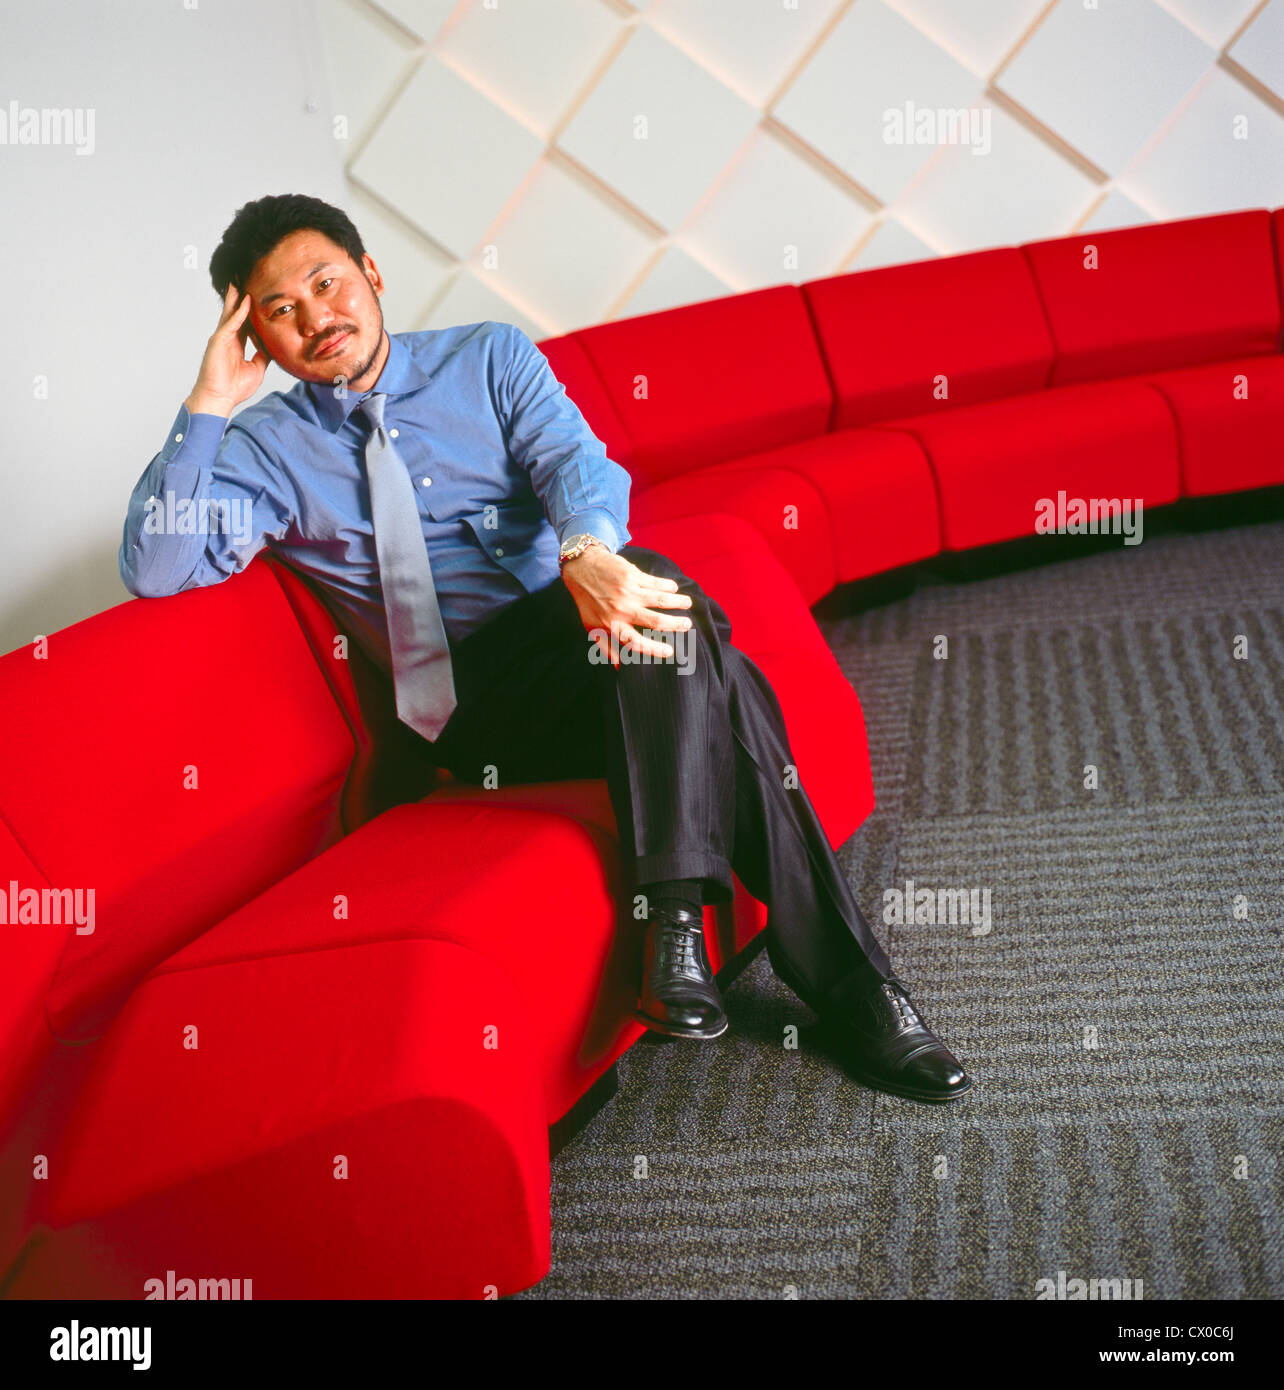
<point>308,1041</point>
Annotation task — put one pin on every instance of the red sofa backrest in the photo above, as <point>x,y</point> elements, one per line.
<point>222,681</point>
<point>890,334</point>
<point>1174,294</point>
<point>573,368</point>
<point>709,382</point>
<point>704,383</point>
<point>1277,230</point>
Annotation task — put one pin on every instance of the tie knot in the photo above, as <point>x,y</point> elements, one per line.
<point>372,409</point>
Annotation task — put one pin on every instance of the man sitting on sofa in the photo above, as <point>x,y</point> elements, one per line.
<point>470,532</point>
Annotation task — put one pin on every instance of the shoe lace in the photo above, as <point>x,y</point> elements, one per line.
<point>905,1010</point>
<point>676,948</point>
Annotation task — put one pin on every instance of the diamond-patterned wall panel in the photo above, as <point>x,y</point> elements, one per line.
<point>446,157</point>
<point>1018,189</point>
<point>751,45</point>
<point>530,58</point>
<point>840,100</point>
<point>1260,49</point>
<point>1231,136</point>
<point>658,127</point>
<point>1105,77</point>
<point>556,163</point>
<point>560,251</point>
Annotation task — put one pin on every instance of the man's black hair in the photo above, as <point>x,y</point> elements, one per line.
<point>259,226</point>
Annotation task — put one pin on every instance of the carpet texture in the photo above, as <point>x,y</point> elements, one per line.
<point>1122,1015</point>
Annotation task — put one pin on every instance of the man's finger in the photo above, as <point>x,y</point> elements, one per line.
<point>667,600</point>
<point>634,641</point>
<point>239,313</point>
<point>655,581</point>
<point>229,304</point>
<point>661,622</point>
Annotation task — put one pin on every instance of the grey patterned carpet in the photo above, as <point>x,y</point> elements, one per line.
<point>1123,1017</point>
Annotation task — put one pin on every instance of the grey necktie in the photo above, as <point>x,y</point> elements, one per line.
<point>421,670</point>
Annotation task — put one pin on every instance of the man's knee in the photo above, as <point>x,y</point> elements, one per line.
<point>653,562</point>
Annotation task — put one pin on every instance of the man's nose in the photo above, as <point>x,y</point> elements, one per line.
<point>313,323</point>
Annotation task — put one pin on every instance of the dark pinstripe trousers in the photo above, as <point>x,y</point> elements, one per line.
<point>696,764</point>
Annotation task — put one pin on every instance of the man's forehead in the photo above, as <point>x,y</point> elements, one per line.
<point>297,258</point>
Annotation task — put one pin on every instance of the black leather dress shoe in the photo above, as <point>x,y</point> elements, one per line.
<point>679,995</point>
<point>881,1041</point>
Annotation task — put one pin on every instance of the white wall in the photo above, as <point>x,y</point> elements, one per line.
<point>488,151</point>
<point>195,111</point>
<point>495,158</point>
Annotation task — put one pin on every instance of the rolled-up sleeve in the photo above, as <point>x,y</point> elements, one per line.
<point>582,490</point>
<point>202,510</point>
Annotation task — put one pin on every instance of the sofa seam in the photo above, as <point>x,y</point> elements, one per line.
<point>1171,406</point>
<point>809,307</point>
<point>329,682</point>
<point>913,434</point>
<point>1040,299</point>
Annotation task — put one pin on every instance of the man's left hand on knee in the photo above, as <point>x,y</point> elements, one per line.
<point>616,597</point>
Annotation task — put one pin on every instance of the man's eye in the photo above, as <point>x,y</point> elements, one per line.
<point>279,310</point>
<point>326,282</point>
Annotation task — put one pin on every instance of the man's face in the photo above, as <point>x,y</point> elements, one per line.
<point>316,313</point>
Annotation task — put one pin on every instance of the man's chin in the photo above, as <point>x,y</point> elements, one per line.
<point>323,369</point>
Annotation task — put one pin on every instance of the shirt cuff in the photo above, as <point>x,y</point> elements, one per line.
<point>597,524</point>
<point>199,434</point>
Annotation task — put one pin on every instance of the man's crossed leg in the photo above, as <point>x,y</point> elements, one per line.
<point>702,780</point>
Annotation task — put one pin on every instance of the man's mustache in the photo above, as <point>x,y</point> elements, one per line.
<point>321,347</point>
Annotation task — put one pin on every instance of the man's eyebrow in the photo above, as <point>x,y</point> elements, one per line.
<point>280,294</point>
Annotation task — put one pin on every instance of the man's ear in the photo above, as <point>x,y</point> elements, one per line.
<point>371,272</point>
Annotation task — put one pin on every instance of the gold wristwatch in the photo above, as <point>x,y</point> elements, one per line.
<point>577,545</point>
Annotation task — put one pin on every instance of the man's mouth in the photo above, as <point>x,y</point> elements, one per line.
<point>331,344</point>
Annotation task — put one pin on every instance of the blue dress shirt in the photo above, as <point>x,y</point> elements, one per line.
<point>504,466</point>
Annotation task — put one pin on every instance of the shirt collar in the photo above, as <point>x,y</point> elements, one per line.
<point>400,375</point>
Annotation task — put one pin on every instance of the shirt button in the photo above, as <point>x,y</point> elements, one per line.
<point>499,550</point>
<point>427,482</point>
<point>178,439</point>
<point>392,434</point>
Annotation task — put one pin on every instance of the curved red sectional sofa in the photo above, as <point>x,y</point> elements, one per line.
<point>311,1039</point>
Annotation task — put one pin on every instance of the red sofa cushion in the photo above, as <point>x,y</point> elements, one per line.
<point>466,867</point>
<point>888,334</point>
<point>31,954</point>
<point>722,378</point>
<point>1228,444</point>
<point>826,727</point>
<point>219,679</point>
<point>727,556</point>
<point>1173,294</point>
<point>878,490</point>
<point>766,497</point>
<point>994,462</point>
<point>220,1159</point>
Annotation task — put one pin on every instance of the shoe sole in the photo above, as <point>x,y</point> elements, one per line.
<point>672,1031</point>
